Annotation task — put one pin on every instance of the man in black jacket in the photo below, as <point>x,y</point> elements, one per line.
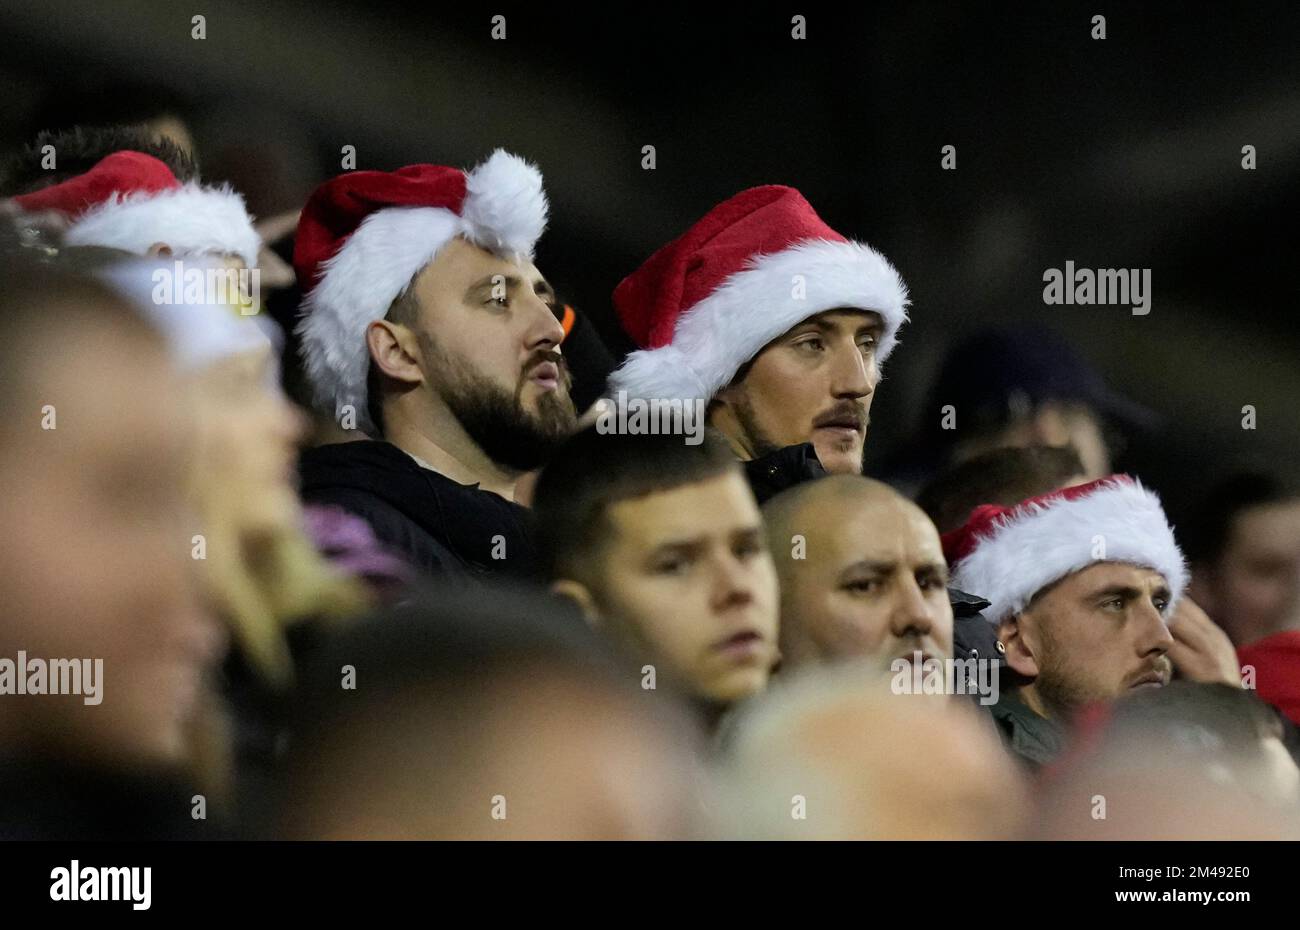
<point>426,326</point>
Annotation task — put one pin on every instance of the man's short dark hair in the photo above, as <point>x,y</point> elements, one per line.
<point>80,148</point>
<point>1002,476</point>
<point>1208,526</point>
<point>592,471</point>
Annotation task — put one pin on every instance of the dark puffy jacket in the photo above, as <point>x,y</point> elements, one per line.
<point>452,531</point>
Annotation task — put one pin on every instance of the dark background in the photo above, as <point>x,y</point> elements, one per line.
<point>1117,153</point>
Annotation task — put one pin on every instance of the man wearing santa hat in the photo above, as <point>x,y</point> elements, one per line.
<point>133,202</point>
<point>1081,583</point>
<point>775,321</point>
<point>426,325</point>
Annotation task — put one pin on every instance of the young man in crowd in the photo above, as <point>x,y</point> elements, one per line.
<point>661,544</point>
<point>426,325</point>
<point>1081,583</point>
<point>773,320</point>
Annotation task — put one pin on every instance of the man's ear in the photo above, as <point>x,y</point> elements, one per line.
<point>395,351</point>
<point>1019,652</point>
<point>160,248</point>
<point>578,592</point>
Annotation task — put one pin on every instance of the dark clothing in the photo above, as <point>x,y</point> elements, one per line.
<point>973,637</point>
<point>773,473</point>
<point>48,799</point>
<point>1034,740</point>
<point>452,531</point>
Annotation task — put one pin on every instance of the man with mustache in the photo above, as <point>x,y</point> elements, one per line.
<point>776,322</point>
<point>862,574</point>
<point>426,325</point>
<point>1082,585</point>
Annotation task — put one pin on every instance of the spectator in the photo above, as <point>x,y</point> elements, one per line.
<point>776,322</point>
<point>470,718</point>
<point>96,567</point>
<point>862,574</point>
<point>1243,541</point>
<point>661,544</point>
<point>426,323</point>
<point>1081,584</point>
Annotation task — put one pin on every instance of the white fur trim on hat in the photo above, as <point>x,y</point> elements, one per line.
<point>190,220</point>
<point>722,332</point>
<point>1121,521</point>
<point>504,211</point>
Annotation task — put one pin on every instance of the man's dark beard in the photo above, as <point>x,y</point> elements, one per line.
<point>497,422</point>
<point>759,442</point>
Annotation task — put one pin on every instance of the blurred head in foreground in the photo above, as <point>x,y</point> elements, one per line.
<point>95,561</point>
<point>479,718</point>
<point>260,569</point>
<point>1186,762</point>
<point>661,544</point>
<point>835,755</point>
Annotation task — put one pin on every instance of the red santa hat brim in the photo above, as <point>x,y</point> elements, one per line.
<point>713,339</point>
<point>505,211</point>
<point>190,220</point>
<point>1038,543</point>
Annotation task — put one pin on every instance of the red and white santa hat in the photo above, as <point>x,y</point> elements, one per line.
<point>364,236</point>
<point>1008,554</point>
<point>132,201</point>
<point>750,269</point>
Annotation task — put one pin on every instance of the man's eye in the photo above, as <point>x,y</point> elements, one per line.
<point>502,301</point>
<point>1162,604</point>
<point>863,586</point>
<point>928,584</point>
<point>747,550</point>
<point>815,344</point>
<point>677,566</point>
<point>1113,603</point>
<point>868,346</point>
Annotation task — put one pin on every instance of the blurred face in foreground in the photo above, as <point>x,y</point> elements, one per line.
<point>1092,636</point>
<point>813,384</point>
<point>95,563</point>
<point>248,435</point>
<point>686,580</point>
<point>870,579</point>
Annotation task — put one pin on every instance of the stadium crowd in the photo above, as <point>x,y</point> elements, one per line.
<point>393,547</point>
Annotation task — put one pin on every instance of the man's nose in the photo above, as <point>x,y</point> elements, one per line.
<point>853,376</point>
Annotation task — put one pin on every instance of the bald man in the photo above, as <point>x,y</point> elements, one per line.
<point>862,574</point>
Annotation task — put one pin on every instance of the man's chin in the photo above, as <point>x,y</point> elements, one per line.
<point>838,460</point>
